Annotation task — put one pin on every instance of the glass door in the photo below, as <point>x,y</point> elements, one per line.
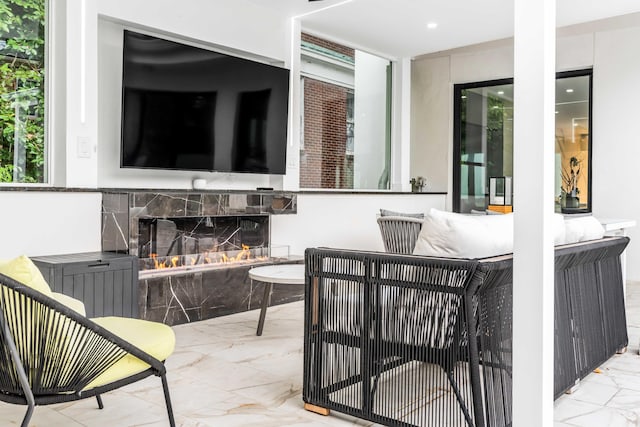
<point>483,135</point>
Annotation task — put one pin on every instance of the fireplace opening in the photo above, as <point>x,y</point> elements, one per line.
<point>188,242</point>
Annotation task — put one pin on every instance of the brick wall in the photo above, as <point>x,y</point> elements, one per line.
<point>328,45</point>
<point>323,162</point>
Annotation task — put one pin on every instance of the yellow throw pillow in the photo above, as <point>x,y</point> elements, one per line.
<point>25,271</point>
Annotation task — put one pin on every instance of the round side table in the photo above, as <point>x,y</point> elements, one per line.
<point>281,274</point>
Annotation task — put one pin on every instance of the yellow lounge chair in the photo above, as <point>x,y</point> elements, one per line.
<point>52,353</point>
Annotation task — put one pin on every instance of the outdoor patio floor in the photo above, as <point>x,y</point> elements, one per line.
<point>222,374</point>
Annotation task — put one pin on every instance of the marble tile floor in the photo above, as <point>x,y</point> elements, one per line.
<point>222,374</point>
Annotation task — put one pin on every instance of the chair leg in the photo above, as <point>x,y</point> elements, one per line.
<point>167,399</point>
<point>27,416</point>
<point>463,406</point>
<point>7,341</point>
<point>99,399</point>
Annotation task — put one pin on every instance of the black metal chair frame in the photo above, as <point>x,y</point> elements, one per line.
<point>589,318</point>
<point>50,353</point>
<point>590,325</point>
<point>427,280</point>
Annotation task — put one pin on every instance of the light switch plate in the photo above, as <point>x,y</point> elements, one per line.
<point>84,147</point>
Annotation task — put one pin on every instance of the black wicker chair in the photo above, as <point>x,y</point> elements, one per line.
<point>51,354</point>
<point>399,233</point>
<point>386,338</point>
<point>589,317</point>
<point>373,319</point>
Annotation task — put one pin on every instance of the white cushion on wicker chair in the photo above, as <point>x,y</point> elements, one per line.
<point>583,228</point>
<point>454,235</point>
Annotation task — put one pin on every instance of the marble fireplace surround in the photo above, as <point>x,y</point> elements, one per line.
<point>180,296</point>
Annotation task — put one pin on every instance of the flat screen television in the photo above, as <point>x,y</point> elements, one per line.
<point>189,108</point>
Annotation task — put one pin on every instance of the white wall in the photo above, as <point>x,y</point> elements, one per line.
<point>86,73</point>
<point>343,220</point>
<point>613,55</point>
<point>46,223</point>
<point>258,35</point>
<point>616,90</point>
<point>429,125</point>
<point>239,24</point>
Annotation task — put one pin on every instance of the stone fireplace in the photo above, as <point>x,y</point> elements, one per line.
<point>195,249</point>
<point>201,241</point>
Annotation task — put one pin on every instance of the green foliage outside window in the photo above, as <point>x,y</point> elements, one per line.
<point>22,60</point>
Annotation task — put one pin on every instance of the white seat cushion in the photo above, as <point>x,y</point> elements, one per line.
<point>454,235</point>
<point>583,228</point>
<point>156,339</point>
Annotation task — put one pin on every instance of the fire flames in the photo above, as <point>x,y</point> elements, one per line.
<point>206,258</point>
<point>159,265</point>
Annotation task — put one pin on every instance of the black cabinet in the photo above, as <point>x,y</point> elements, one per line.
<point>106,282</point>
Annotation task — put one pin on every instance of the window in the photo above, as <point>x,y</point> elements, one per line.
<point>22,104</point>
<point>573,142</point>
<point>345,124</point>
<point>483,141</point>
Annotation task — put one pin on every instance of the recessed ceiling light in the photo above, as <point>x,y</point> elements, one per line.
<point>500,92</point>
<point>569,90</point>
<point>464,96</point>
<point>432,25</point>
<point>557,112</point>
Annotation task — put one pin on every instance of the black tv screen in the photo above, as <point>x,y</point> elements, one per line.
<point>189,108</point>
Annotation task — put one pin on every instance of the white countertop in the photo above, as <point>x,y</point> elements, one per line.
<point>612,224</point>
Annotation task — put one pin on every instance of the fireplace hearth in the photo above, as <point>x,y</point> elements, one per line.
<point>188,295</point>
<point>195,249</point>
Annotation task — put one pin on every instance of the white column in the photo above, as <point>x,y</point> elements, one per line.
<point>533,287</point>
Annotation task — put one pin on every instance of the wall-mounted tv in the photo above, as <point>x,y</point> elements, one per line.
<point>189,108</point>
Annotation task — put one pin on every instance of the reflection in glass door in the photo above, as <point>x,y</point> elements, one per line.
<point>483,133</point>
<point>573,130</point>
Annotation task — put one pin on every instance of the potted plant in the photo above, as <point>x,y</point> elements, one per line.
<point>570,190</point>
<point>417,184</point>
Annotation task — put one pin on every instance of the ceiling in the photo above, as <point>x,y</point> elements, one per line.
<point>398,28</point>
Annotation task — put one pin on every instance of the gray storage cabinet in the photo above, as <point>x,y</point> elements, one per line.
<point>106,282</point>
